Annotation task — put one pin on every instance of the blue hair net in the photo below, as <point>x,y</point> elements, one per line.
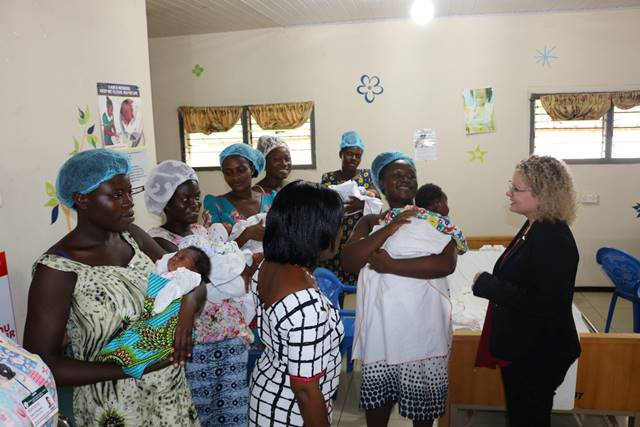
<point>351,139</point>
<point>382,160</point>
<point>244,150</point>
<point>85,171</point>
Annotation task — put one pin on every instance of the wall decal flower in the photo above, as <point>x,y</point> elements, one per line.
<point>370,87</point>
<point>197,70</point>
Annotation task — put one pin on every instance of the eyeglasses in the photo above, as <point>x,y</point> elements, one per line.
<point>513,189</point>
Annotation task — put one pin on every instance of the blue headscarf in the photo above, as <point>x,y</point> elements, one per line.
<point>244,150</point>
<point>85,171</point>
<point>382,160</point>
<point>351,139</point>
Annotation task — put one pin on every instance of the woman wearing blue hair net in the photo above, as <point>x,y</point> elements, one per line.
<point>419,386</point>
<point>89,286</point>
<point>351,150</point>
<point>240,163</point>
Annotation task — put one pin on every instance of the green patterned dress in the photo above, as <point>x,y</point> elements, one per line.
<point>363,179</point>
<point>105,299</point>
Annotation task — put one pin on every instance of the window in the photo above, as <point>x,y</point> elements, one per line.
<point>614,138</point>
<point>202,151</point>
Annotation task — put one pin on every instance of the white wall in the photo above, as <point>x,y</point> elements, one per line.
<point>52,54</point>
<point>423,71</point>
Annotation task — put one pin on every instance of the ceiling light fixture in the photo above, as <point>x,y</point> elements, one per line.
<point>422,11</point>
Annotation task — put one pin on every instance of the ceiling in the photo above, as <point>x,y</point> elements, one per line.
<point>181,17</point>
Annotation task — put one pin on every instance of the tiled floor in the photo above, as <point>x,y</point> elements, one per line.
<point>594,305</point>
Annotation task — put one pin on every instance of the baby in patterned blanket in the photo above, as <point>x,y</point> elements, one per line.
<point>150,339</point>
<point>435,201</point>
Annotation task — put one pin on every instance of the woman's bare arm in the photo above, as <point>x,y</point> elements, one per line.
<point>48,311</point>
<point>361,245</point>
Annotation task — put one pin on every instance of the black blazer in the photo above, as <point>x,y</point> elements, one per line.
<point>532,292</point>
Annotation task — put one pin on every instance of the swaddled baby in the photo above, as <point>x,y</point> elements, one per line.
<point>425,304</point>
<point>150,338</point>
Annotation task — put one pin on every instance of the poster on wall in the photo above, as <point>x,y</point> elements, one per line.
<point>478,110</point>
<point>122,126</point>
<point>7,321</point>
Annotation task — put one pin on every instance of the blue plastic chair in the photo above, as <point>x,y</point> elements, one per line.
<point>624,271</point>
<point>332,287</point>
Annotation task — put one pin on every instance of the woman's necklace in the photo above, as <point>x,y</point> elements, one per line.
<point>524,235</point>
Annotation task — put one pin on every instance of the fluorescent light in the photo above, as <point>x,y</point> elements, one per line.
<point>422,11</point>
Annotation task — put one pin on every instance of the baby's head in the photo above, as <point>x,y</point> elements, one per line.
<point>192,258</point>
<point>431,197</point>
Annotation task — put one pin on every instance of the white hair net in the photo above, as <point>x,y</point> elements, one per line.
<point>163,181</point>
<point>268,143</point>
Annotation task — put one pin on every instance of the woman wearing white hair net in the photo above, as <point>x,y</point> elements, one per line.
<point>277,163</point>
<point>172,190</point>
<point>217,371</point>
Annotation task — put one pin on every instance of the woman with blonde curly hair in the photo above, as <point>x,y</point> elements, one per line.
<point>529,329</point>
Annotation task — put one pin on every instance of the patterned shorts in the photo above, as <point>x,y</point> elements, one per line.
<point>419,387</point>
<point>217,376</point>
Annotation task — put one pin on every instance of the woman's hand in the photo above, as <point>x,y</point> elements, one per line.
<point>254,232</point>
<point>401,219</point>
<point>353,205</point>
<point>379,261</point>
<point>183,336</point>
<point>249,271</point>
<point>475,278</point>
<point>206,218</point>
<point>190,305</point>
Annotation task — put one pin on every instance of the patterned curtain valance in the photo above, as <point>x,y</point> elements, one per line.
<point>289,115</point>
<point>576,106</point>
<point>587,106</point>
<point>626,100</point>
<point>209,119</point>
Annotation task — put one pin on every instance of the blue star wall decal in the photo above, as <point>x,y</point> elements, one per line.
<point>545,56</point>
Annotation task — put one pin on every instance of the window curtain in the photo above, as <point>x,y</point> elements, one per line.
<point>626,100</point>
<point>576,106</point>
<point>288,115</point>
<point>209,119</point>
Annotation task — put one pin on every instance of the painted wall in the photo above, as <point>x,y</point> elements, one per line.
<point>52,54</point>
<point>424,71</point>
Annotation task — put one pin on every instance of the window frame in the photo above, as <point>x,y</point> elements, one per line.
<point>608,137</point>
<point>245,120</point>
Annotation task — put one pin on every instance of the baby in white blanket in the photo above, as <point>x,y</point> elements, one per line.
<point>402,319</point>
<point>231,271</point>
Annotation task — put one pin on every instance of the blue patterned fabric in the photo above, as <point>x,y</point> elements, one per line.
<point>147,340</point>
<point>217,377</point>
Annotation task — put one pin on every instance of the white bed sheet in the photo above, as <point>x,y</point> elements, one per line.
<point>468,311</point>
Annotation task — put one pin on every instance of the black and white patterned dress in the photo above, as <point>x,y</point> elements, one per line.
<point>302,334</point>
